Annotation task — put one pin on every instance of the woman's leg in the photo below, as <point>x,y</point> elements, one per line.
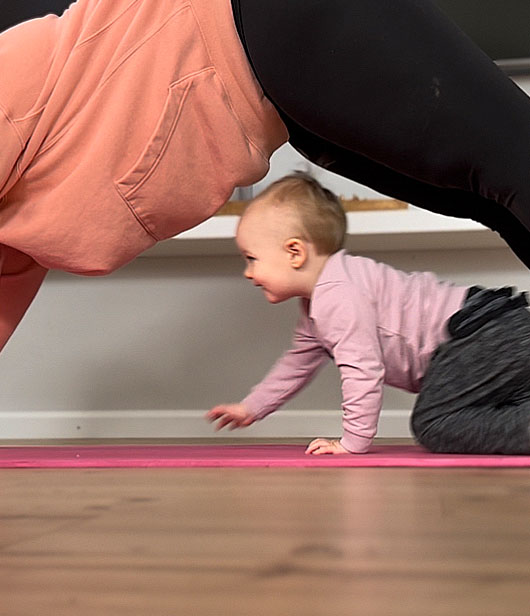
<point>13,13</point>
<point>475,396</point>
<point>448,201</point>
<point>399,84</point>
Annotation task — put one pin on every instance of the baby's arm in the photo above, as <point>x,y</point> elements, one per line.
<point>289,374</point>
<point>347,321</point>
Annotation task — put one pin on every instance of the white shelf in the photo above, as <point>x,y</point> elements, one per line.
<point>410,229</point>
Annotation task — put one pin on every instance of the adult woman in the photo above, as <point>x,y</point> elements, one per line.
<point>128,121</point>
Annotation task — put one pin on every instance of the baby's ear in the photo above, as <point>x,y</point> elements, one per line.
<point>297,252</point>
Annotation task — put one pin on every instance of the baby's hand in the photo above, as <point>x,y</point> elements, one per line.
<point>322,445</point>
<point>233,415</point>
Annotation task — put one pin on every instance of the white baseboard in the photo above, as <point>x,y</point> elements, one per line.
<point>180,424</point>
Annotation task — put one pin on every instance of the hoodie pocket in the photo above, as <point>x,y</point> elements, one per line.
<point>195,157</point>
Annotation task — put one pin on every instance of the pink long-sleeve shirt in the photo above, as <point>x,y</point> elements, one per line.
<point>379,325</point>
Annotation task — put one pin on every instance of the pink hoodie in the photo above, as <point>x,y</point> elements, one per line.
<point>124,122</point>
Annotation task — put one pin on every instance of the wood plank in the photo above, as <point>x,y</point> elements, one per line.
<point>234,542</point>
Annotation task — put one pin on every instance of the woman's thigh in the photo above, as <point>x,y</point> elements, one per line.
<point>447,201</point>
<point>398,83</point>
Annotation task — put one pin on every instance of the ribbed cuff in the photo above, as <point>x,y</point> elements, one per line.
<point>355,444</point>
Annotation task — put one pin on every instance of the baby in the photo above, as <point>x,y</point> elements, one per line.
<point>466,350</point>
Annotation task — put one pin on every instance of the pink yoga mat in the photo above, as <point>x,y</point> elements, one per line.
<point>203,456</point>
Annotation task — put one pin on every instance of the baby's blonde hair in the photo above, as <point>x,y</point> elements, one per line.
<point>319,211</point>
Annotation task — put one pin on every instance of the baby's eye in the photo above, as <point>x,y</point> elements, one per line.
<point>249,259</point>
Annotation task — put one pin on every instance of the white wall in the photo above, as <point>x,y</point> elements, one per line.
<point>145,351</point>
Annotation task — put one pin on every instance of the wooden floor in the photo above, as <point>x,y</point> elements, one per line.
<point>241,542</point>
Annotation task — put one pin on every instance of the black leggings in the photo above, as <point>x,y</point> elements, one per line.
<point>13,12</point>
<point>393,95</point>
<point>475,395</point>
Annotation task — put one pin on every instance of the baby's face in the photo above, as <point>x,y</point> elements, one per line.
<point>261,242</point>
